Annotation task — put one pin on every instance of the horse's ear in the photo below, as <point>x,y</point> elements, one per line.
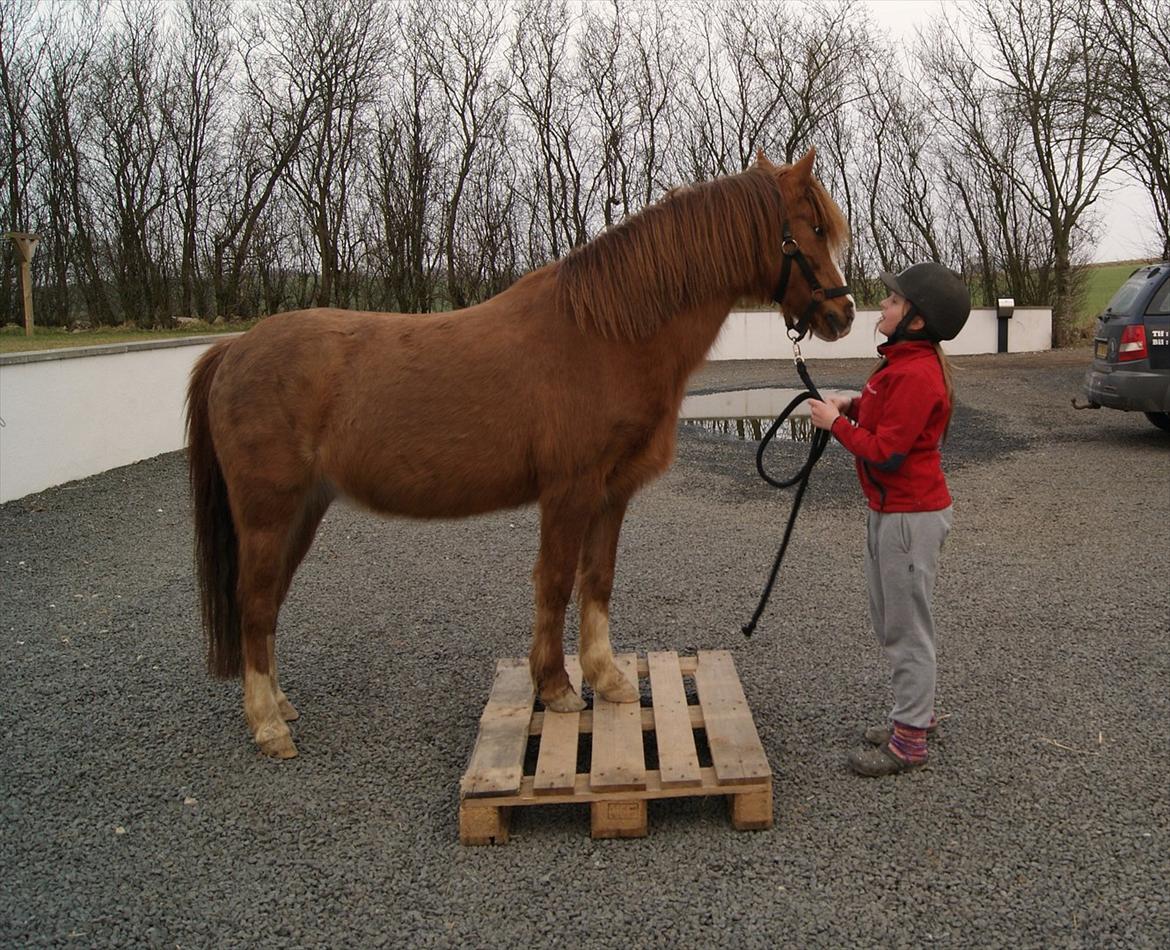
<point>762,160</point>
<point>803,168</point>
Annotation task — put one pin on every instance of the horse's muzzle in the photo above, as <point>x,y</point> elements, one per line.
<point>838,325</point>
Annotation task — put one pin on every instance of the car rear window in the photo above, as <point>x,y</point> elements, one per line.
<point>1160,304</point>
<point>1122,301</point>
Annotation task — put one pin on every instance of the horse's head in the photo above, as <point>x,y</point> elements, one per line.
<point>810,288</point>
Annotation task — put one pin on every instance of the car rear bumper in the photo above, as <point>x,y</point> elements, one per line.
<point>1131,390</point>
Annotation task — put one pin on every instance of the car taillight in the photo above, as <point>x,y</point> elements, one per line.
<point>1133,343</point>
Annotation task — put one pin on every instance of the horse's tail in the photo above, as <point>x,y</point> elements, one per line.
<point>216,548</point>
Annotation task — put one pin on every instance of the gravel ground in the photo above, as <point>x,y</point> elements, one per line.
<point>136,811</point>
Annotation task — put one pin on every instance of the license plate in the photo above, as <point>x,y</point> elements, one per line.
<point>1102,350</point>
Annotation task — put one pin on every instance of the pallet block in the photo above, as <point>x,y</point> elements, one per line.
<point>618,784</point>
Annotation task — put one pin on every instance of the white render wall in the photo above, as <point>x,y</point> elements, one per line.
<point>760,335</point>
<point>68,414</point>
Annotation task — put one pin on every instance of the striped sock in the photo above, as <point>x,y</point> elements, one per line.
<point>908,743</point>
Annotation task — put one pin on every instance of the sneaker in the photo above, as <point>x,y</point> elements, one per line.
<point>881,735</point>
<point>880,760</point>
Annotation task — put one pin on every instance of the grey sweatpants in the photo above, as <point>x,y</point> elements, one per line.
<point>901,562</point>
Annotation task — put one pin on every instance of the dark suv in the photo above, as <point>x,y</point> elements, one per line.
<point>1131,349</point>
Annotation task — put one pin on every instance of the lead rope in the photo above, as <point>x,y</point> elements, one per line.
<point>820,440</point>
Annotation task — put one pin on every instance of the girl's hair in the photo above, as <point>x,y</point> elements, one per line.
<point>948,382</point>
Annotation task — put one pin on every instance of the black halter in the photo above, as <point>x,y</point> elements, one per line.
<point>791,251</point>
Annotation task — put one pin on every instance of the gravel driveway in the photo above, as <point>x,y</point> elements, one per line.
<point>136,811</point>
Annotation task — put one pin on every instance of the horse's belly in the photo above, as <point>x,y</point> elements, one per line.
<point>444,486</point>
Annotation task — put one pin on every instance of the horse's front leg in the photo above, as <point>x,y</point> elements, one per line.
<point>562,523</point>
<point>594,586</point>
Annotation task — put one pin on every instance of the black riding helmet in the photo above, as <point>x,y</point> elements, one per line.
<point>937,294</point>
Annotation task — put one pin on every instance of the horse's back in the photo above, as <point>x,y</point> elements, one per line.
<point>427,415</point>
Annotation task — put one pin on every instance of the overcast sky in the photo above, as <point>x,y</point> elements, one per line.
<point>1127,229</point>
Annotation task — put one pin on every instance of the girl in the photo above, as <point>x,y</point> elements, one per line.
<point>895,428</point>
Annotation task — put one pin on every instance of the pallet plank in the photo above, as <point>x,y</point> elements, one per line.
<point>619,760</point>
<point>678,761</point>
<point>685,663</point>
<point>736,750</point>
<point>694,713</point>
<point>497,762</point>
<point>556,766</point>
<point>584,793</point>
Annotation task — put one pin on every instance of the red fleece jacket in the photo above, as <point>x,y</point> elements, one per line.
<point>894,429</point>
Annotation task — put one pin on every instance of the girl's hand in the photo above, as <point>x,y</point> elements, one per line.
<point>824,414</point>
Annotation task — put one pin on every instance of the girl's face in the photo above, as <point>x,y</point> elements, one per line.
<point>894,308</point>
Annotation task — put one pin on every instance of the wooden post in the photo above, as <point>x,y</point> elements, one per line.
<point>26,246</point>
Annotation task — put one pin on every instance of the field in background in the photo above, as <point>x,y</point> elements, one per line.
<point>1102,282</point>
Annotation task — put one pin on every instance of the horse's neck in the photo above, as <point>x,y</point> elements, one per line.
<point>685,340</point>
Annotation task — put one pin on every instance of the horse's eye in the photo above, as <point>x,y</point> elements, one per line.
<point>819,231</point>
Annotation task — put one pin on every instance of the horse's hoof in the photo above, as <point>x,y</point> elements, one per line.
<point>619,690</point>
<point>276,743</point>
<point>567,702</point>
<point>287,710</point>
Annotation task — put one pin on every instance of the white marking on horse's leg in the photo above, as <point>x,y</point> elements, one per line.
<point>546,655</point>
<point>597,656</point>
<point>263,714</point>
<point>288,712</point>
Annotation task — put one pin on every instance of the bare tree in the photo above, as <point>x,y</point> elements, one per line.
<point>1033,106</point>
<point>459,40</point>
<point>402,184</point>
<point>19,56</point>
<point>349,53</point>
<point>629,66</point>
<point>772,76</point>
<point>1138,37</point>
<point>732,104</point>
<point>202,55</point>
<point>490,240</point>
<point>281,98</point>
<point>231,157</point>
<point>128,85</point>
<point>609,99</point>
<point>63,126</point>
<point>551,107</point>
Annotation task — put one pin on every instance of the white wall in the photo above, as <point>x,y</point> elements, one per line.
<point>73,413</point>
<point>760,335</point>
<point>69,414</point>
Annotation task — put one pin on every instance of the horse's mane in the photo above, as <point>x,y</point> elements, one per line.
<point>629,280</point>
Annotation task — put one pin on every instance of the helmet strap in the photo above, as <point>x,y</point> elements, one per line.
<point>903,331</point>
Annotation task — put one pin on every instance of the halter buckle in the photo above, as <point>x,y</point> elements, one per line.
<point>794,337</point>
<point>789,247</point>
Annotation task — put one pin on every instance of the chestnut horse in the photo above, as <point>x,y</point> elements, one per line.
<point>562,390</point>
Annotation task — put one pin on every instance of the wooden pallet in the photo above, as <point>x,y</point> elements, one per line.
<point>618,783</point>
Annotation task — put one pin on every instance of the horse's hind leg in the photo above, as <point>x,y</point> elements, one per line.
<point>594,586</point>
<point>260,582</point>
<point>274,535</point>
<point>299,542</point>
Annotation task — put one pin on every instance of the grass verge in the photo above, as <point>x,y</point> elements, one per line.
<point>13,339</point>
